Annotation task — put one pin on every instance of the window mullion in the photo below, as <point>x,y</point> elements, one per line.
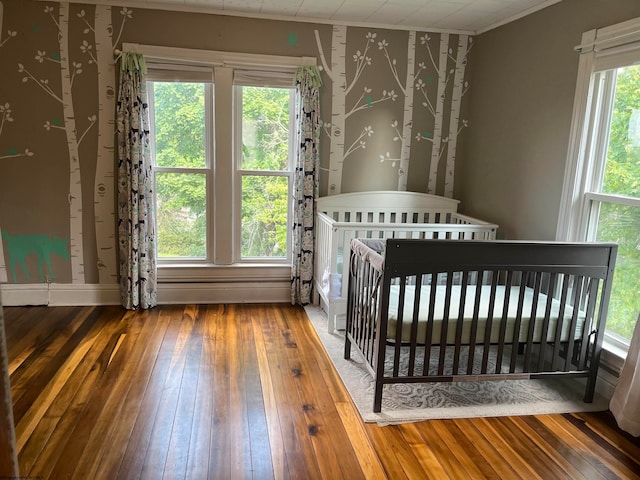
<point>223,190</point>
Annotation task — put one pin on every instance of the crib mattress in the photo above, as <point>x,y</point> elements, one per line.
<point>483,314</point>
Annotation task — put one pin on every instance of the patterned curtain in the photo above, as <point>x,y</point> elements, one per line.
<point>305,187</point>
<point>136,224</point>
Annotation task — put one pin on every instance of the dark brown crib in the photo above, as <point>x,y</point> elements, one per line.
<point>456,310</point>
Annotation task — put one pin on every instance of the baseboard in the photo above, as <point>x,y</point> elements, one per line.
<point>242,292</point>
<point>58,294</point>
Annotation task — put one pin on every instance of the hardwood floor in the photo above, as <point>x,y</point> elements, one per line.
<point>246,391</point>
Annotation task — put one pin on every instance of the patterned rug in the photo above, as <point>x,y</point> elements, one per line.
<point>414,402</point>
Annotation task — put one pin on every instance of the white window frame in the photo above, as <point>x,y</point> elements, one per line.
<point>223,264</point>
<point>240,172</point>
<point>182,75</point>
<point>600,50</point>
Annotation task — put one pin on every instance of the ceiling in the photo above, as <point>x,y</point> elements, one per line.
<point>468,16</point>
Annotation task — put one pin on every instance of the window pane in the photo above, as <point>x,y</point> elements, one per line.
<point>264,216</point>
<point>265,128</point>
<point>621,224</point>
<point>181,214</point>
<point>179,124</point>
<point>622,170</point>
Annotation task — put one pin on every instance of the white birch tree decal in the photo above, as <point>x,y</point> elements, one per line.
<point>439,112</point>
<point>104,188</point>
<point>68,72</point>
<point>460,87</point>
<point>407,89</point>
<point>340,89</point>
<point>10,33</point>
<point>338,78</point>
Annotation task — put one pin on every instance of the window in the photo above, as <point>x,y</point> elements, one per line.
<point>182,167</point>
<point>264,157</point>
<point>601,200</point>
<point>222,142</point>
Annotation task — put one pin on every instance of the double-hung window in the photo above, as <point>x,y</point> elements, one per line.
<point>222,144</point>
<point>601,197</point>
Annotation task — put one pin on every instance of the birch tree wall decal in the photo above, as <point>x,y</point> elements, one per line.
<point>407,89</point>
<point>68,72</point>
<point>436,149</point>
<point>340,89</point>
<point>76,247</point>
<point>10,33</point>
<point>104,187</point>
<point>338,78</point>
<point>460,87</point>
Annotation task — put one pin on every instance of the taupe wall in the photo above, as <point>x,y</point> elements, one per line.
<point>524,77</point>
<point>54,115</point>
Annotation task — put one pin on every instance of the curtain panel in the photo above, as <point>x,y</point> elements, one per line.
<point>625,403</point>
<point>136,218</point>
<point>306,181</point>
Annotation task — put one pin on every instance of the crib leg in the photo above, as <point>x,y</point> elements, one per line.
<point>377,398</point>
<point>347,347</point>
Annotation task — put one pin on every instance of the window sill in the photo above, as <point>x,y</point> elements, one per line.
<point>237,273</point>
<point>613,357</point>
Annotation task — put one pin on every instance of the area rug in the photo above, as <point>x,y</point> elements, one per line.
<point>414,402</point>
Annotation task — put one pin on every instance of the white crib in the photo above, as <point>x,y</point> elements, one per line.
<point>379,214</point>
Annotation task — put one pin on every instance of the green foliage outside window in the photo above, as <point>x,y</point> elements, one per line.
<point>179,128</point>
<point>180,141</point>
<point>620,223</point>
<point>265,147</point>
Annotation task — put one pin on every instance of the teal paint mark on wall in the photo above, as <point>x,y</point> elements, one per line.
<point>19,247</point>
<point>369,101</point>
<point>292,38</point>
<point>35,28</point>
<point>427,134</point>
<point>12,151</point>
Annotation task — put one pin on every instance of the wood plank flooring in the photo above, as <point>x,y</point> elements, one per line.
<point>246,391</point>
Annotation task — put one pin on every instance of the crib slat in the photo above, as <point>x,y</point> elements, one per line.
<point>428,341</point>
<point>537,285</point>
<point>556,360</point>
<point>489,322</point>
<point>414,325</point>
<point>589,320</point>
<point>399,325</point>
<point>474,322</point>
<point>545,322</point>
<point>460,322</point>
<point>577,285</point>
<point>515,341</point>
<point>445,323</point>
<point>503,321</point>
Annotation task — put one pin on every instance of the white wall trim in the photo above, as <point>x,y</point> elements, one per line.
<point>24,294</point>
<point>61,294</point>
<point>178,293</point>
